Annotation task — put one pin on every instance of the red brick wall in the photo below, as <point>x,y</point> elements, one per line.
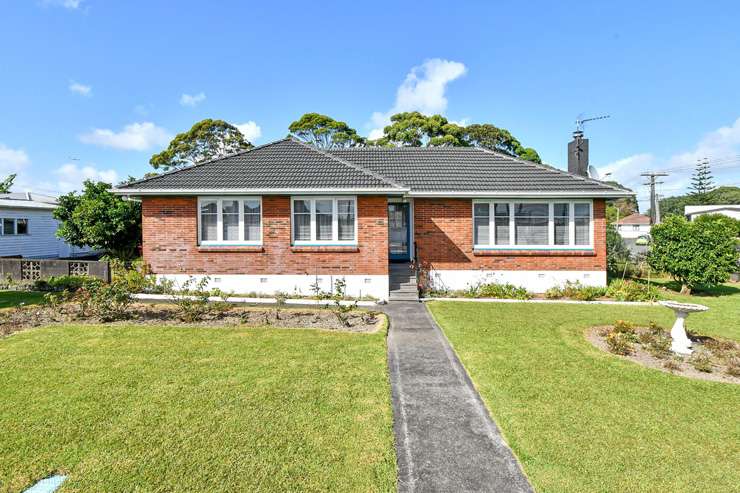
<point>170,231</point>
<point>443,231</point>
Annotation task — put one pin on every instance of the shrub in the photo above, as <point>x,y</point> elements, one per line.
<point>733,367</point>
<point>701,361</point>
<point>135,274</point>
<point>554,293</point>
<point>698,253</point>
<point>107,301</point>
<point>60,283</point>
<point>624,327</point>
<point>576,291</point>
<point>660,346</point>
<point>617,253</point>
<point>499,290</point>
<point>341,310</point>
<point>626,290</point>
<point>672,365</point>
<point>192,300</point>
<point>618,343</point>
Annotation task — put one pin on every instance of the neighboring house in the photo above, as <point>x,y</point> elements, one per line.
<point>633,226</point>
<point>28,228</point>
<point>288,217</point>
<point>694,211</point>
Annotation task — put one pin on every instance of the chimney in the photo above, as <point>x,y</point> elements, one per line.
<point>578,154</point>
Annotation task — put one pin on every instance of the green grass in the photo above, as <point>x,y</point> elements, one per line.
<point>10,299</point>
<point>581,420</point>
<point>180,409</point>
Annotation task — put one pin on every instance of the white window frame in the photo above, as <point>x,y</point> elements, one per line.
<point>335,241</point>
<point>15,226</point>
<point>550,228</point>
<point>220,225</point>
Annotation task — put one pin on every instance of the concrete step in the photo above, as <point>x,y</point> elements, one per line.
<point>403,298</point>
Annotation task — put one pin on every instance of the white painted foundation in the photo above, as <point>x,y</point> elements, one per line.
<point>357,285</point>
<point>535,281</point>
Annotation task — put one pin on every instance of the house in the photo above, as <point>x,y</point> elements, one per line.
<point>289,217</point>
<point>28,228</point>
<point>694,211</point>
<point>633,226</point>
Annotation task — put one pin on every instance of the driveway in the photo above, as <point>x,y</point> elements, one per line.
<point>445,438</point>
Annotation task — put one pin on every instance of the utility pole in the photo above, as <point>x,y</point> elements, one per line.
<point>654,212</point>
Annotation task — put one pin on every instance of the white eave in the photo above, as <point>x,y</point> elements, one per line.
<point>137,192</point>
<point>523,194</point>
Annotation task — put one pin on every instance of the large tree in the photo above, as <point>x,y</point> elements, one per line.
<point>325,132</point>
<point>416,129</point>
<point>100,219</point>
<point>207,139</point>
<point>702,180</point>
<point>7,183</point>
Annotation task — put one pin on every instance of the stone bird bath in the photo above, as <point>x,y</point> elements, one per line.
<point>681,343</point>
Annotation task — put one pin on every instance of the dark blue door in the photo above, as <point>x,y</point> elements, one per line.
<point>399,233</point>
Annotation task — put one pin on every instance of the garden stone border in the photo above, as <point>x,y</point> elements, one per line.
<point>572,302</point>
<point>166,298</point>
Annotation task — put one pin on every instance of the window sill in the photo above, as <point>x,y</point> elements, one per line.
<point>544,252</point>
<point>325,248</point>
<point>231,248</point>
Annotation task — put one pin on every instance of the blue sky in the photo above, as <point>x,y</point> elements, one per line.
<point>91,88</point>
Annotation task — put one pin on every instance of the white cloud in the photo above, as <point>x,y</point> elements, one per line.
<point>250,130</point>
<point>80,89</point>
<point>67,4</point>
<point>192,100</point>
<point>717,144</point>
<point>70,176</point>
<point>422,90</point>
<point>133,137</point>
<point>12,160</point>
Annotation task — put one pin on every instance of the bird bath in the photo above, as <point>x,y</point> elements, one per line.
<point>681,343</point>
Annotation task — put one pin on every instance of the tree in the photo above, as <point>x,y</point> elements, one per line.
<point>325,132</point>
<point>699,253</point>
<point>721,195</point>
<point>416,130</point>
<point>207,139</point>
<point>7,183</point>
<point>702,180</point>
<point>101,220</point>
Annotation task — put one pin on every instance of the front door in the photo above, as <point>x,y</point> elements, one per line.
<point>398,232</point>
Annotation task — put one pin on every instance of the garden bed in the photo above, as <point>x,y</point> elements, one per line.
<point>713,358</point>
<point>22,318</point>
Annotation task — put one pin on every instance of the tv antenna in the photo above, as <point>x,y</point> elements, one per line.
<point>580,121</point>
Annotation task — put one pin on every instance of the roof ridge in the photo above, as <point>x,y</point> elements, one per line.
<point>557,170</point>
<point>184,168</point>
<point>349,163</point>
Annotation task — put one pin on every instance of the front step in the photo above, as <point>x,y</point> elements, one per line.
<point>402,283</point>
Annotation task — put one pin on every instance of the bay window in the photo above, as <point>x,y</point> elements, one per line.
<point>324,220</point>
<point>532,224</point>
<point>230,220</point>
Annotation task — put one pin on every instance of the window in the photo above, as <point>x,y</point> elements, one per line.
<point>582,214</point>
<point>531,224</point>
<point>636,228</point>
<point>230,221</point>
<point>13,226</point>
<point>324,220</point>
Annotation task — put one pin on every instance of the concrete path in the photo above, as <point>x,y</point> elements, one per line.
<point>445,439</point>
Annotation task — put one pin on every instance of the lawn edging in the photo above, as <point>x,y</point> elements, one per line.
<point>244,300</point>
<point>571,302</point>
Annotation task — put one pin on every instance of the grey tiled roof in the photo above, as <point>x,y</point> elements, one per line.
<point>285,164</point>
<point>288,164</point>
<point>466,169</point>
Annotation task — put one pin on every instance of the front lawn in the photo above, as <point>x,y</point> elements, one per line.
<point>582,420</point>
<point>131,408</point>
<point>14,298</point>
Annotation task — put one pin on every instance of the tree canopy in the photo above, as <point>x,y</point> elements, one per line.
<point>324,132</point>
<point>207,139</point>
<point>416,130</point>
<point>7,183</point>
<point>100,219</point>
<point>721,195</point>
<point>698,253</point>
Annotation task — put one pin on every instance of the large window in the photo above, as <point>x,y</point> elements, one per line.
<point>14,226</point>
<point>532,224</point>
<point>324,221</point>
<point>230,221</point>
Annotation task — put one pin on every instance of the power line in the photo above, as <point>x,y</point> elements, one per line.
<point>652,175</point>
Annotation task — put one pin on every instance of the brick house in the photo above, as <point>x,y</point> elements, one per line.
<point>284,216</point>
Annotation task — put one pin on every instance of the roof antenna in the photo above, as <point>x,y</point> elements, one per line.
<point>580,121</point>
<point>578,150</point>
